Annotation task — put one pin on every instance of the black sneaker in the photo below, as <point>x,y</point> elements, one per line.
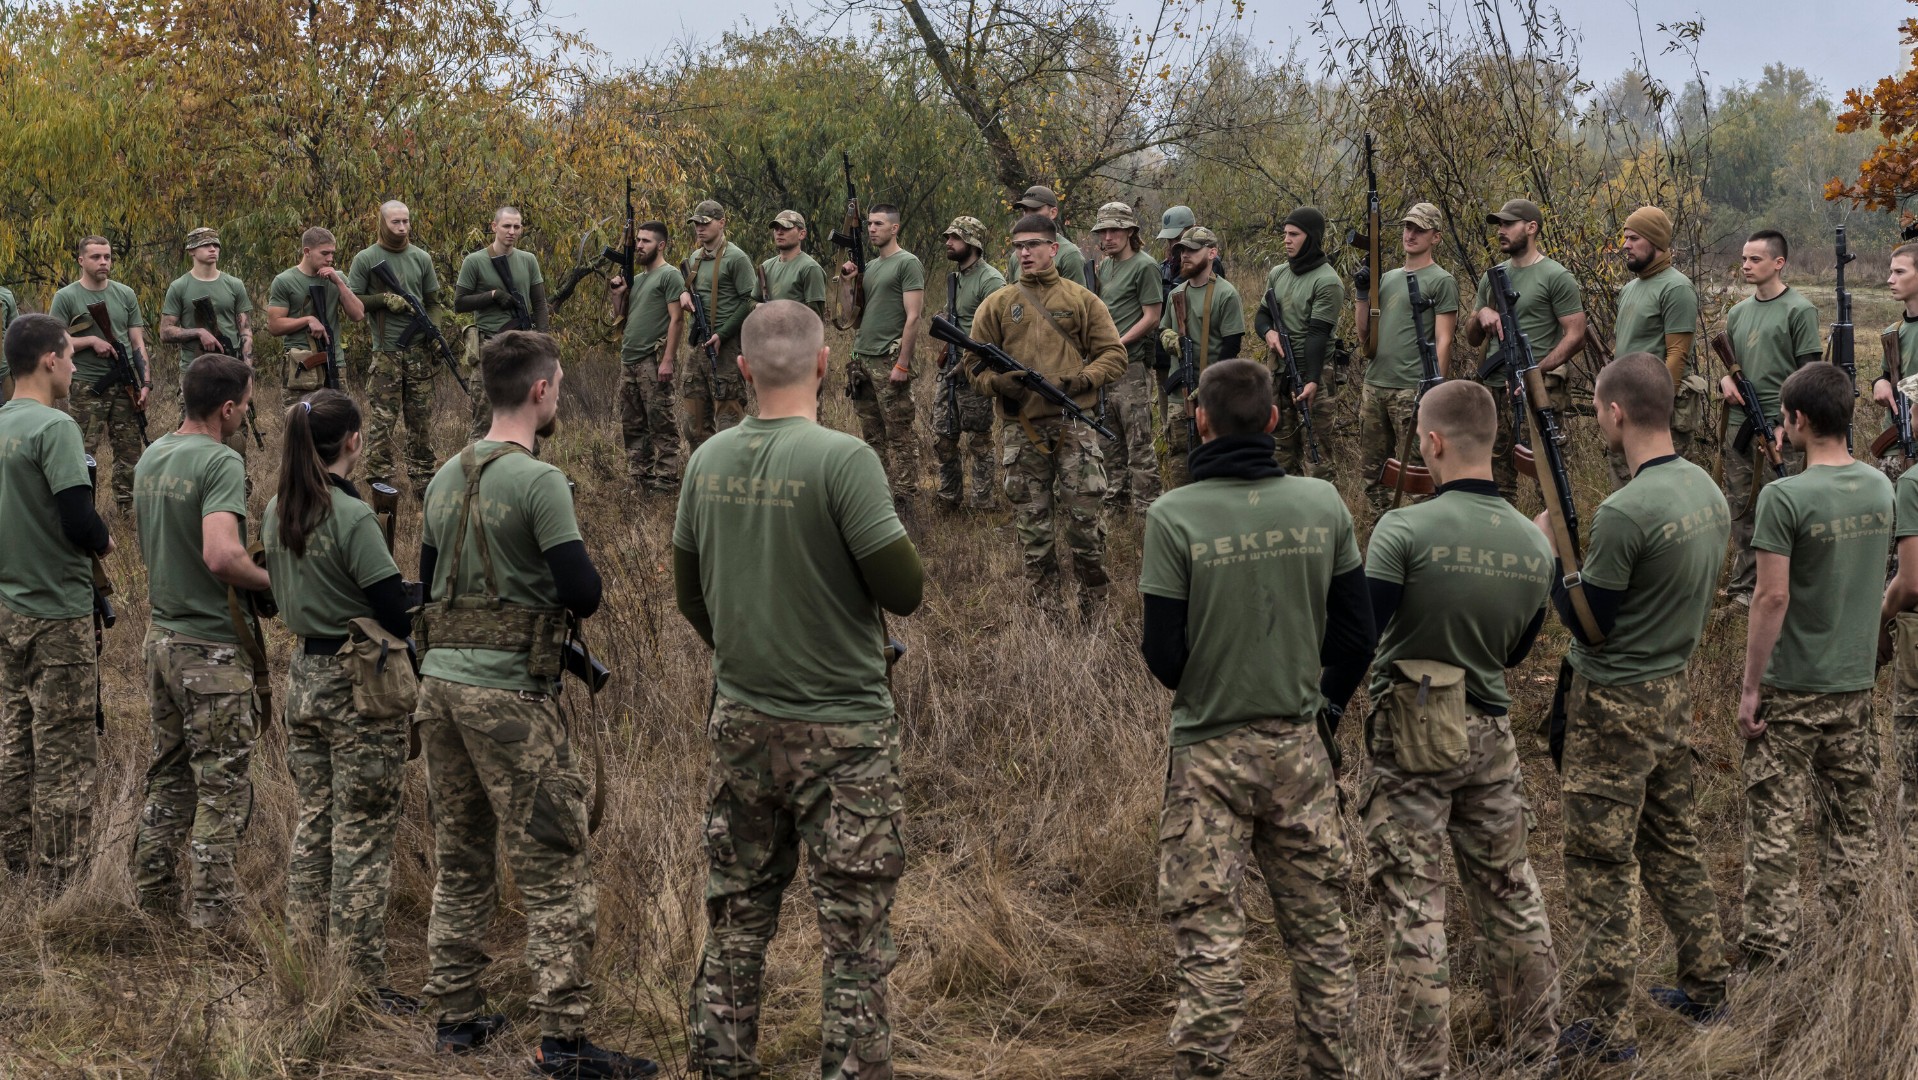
<point>394,1003</point>
<point>466,1036</point>
<point>1582,1039</point>
<point>579,1059</point>
<point>1681,1003</point>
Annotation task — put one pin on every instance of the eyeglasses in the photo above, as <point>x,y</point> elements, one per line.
<point>1031,245</point>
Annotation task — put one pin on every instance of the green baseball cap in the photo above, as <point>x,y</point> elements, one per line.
<point>1036,196</point>
<point>707,210</point>
<point>1422,216</point>
<point>1198,237</point>
<point>1175,221</point>
<point>1516,210</point>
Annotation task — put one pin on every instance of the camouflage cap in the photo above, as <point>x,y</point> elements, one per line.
<point>707,210</point>
<point>969,229</point>
<point>1422,216</point>
<point>787,219</point>
<point>1175,221</point>
<point>1115,215</point>
<point>1198,237</point>
<point>1516,210</point>
<point>201,237</point>
<point>1036,196</point>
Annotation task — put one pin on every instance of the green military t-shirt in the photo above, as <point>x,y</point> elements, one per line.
<point>649,312</point>
<point>179,481</point>
<point>1660,539</point>
<point>1907,329</point>
<point>414,269</point>
<point>43,576</point>
<point>1397,365</point>
<point>1834,523</point>
<point>289,293</point>
<point>70,307</point>
<point>1476,572</point>
<point>1316,294</point>
<point>324,590</point>
<point>477,275</point>
<point>1252,559</point>
<point>1071,264</point>
<point>1129,286</point>
<point>229,299</point>
<point>888,280</point>
<point>799,278</point>
<point>527,510</point>
<point>780,512</point>
<point>1907,509</point>
<point>1768,337</point>
<point>737,284</point>
<point>1650,308</point>
<point>976,283</point>
<point>1212,314</point>
<point>1547,292</point>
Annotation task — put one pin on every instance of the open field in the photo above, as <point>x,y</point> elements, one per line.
<point>1026,922</point>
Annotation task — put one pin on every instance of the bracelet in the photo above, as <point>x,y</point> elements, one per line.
<point>902,370</point>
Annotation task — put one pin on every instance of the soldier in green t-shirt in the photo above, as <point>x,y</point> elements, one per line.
<point>204,660</point>
<point>9,310</point>
<point>399,380</point>
<point>512,298</point>
<point>223,297</point>
<point>49,659</point>
<point>1898,639</point>
<point>791,274</point>
<point>114,416</point>
<point>1249,576</point>
<point>501,772</point>
<point>712,392</point>
<point>960,410</point>
<point>1130,287</point>
<point>1071,264</point>
<point>1214,323</point>
<point>879,377</point>
<point>1902,280</point>
<point>1658,314</point>
<point>1810,663</point>
<point>1551,314</point>
<point>330,566</point>
<point>291,315</point>
<point>787,555</point>
<point>1312,298</point>
<point>1773,332</point>
<point>1397,370</point>
<point>1650,569</point>
<point>1460,580</point>
<point>652,314</point>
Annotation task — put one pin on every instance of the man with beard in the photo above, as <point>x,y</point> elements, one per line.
<point>481,292</point>
<point>791,274</point>
<point>965,412</point>
<point>1658,314</point>
<point>1214,319</point>
<point>712,393</point>
<point>1551,315</point>
<point>653,318</point>
<point>1311,297</point>
<point>399,380</point>
<point>1129,285</point>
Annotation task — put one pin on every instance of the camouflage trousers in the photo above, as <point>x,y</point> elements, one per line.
<point>1504,468</point>
<point>113,421</point>
<point>771,786</point>
<point>1132,459</point>
<point>1742,495</point>
<point>399,386</point>
<point>886,416</point>
<point>1289,436</point>
<point>1821,750</point>
<point>1064,477</point>
<point>1179,440</point>
<point>49,751</point>
<point>1627,793</point>
<point>1265,791</point>
<point>646,427</point>
<point>205,720</point>
<point>473,341</point>
<point>1904,730</point>
<point>712,393</point>
<point>1479,805</point>
<point>1386,416</point>
<point>347,771</point>
<point>500,774</point>
<point>972,422</point>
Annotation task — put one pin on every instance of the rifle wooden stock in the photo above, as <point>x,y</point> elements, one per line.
<point>1407,479</point>
<point>1564,544</point>
<point>1754,410</point>
<point>1885,442</point>
<point>1595,348</point>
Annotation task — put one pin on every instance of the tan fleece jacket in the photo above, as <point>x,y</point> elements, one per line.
<point>1007,319</point>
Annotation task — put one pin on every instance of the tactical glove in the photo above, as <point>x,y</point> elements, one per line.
<point>1075,385</point>
<point>1169,341</point>
<point>1362,282</point>
<point>1010,385</point>
<point>396,303</point>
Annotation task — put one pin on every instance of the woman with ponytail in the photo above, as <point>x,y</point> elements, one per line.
<point>330,565</point>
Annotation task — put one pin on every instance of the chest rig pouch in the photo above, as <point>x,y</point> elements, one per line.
<point>486,621</point>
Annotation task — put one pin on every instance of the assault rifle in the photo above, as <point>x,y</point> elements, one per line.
<point>1396,471</point>
<point>851,235</point>
<point>621,258</point>
<point>997,359</point>
<point>317,299</point>
<point>1548,443</point>
<point>1369,240</point>
<point>1092,283</point>
<point>422,323</point>
<point>206,320</point>
<point>522,315</point>
<point>124,374</point>
<point>1757,424</point>
<point>1899,433</point>
<point>103,616</point>
<point>1288,357</point>
<point>950,374</point>
<point>1843,345</point>
<point>1186,382</point>
<point>702,319</point>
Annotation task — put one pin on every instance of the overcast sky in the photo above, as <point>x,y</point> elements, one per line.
<point>1841,43</point>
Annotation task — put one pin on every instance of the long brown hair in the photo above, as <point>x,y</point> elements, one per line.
<point>317,427</point>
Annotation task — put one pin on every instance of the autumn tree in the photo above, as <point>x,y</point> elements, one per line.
<point>1890,175</point>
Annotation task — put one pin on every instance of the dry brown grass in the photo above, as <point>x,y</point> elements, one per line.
<point>1026,922</point>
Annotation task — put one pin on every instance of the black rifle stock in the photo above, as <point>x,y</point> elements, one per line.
<point>1899,433</point>
<point>124,374</point>
<point>1757,424</point>
<point>422,324</point>
<point>953,370</point>
<point>1295,383</point>
<point>1092,283</point>
<point>851,235</point>
<point>993,357</point>
<point>702,319</point>
<point>522,315</point>
<point>205,318</point>
<point>317,299</point>
<point>1186,382</point>
<point>1844,351</point>
<point>103,615</point>
<point>1397,470</point>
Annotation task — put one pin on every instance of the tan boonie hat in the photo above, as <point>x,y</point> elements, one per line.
<point>707,210</point>
<point>1516,210</point>
<point>1197,238</point>
<point>200,238</point>
<point>968,229</point>
<point>787,219</point>
<point>1115,215</point>
<point>1422,216</point>
<point>1036,196</point>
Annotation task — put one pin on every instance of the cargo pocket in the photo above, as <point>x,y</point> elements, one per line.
<point>1904,664</point>
<point>862,831</point>
<point>558,816</point>
<point>1018,487</point>
<point>1692,408</point>
<point>721,851</point>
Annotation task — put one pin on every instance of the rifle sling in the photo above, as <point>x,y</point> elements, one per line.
<point>1562,539</point>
